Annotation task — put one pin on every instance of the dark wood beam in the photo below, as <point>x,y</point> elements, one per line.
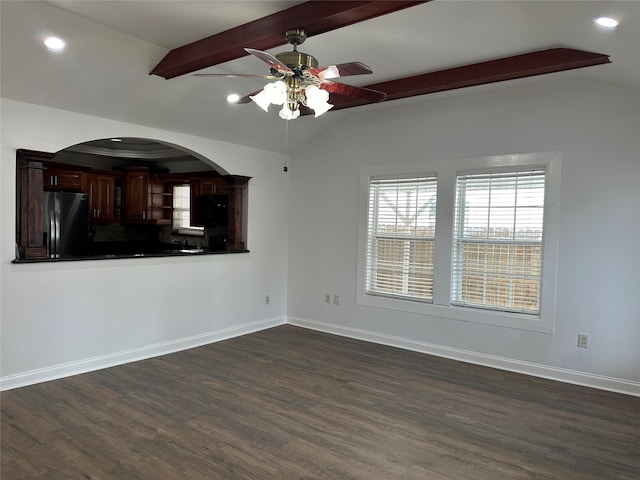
<point>268,32</point>
<point>500,70</point>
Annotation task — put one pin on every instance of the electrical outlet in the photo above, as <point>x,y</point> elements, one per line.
<point>583,340</point>
<point>336,299</point>
<point>327,298</point>
<point>267,299</point>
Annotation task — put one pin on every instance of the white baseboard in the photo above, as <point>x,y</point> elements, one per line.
<point>543,371</point>
<point>132,355</point>
<point>104,361</point>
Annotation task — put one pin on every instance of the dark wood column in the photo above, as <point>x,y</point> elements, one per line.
<point>29,228</point>
<point>238,186</point>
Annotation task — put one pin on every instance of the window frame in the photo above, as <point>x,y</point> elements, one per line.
<point>191,230</point>
<point>447,172</point>
<point>460,239</point>
<point>422,183</point>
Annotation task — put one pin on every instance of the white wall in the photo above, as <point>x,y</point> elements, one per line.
<point>62,318</point>
<point>595,126</point>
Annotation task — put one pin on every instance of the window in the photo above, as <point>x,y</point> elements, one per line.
<point>182,211</point>
<point>492,258</point>
<point>401,236</point>
<point>497,240</point>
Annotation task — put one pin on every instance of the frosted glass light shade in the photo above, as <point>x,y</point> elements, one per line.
<point>317,100</point>
<point>287,114</point>
<point>262,100</point>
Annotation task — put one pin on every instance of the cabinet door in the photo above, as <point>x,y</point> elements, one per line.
<point>135,197</point>
<point>102,190</point>
<point>213,186</point>
<point>60,179</point>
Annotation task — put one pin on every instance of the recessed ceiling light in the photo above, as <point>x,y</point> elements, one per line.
<point>116,139</point>
<point>607,22</point>
<point>55,44</point>
<point>233,98</point>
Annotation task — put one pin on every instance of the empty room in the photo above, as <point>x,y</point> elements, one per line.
<point>324,240</point>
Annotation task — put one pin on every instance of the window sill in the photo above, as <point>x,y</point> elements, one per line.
<point>184,231</point>
<point>484,316</point>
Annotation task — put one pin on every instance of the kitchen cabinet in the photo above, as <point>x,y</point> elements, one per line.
<point>55,178</point>
<point>213,186</point>
<point>101,188</point>
<point>147,199</point>
<point>134,194</point>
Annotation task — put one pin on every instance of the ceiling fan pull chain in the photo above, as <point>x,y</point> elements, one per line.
<point>286,146</point>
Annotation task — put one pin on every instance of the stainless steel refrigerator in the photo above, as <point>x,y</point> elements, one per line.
<point>66,224</point>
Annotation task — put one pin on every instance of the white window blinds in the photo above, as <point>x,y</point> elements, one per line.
<point>182,210</point>
<point>400,237</point>
<point>497,240</point>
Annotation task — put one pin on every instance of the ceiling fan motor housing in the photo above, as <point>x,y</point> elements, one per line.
<point>297,60</point>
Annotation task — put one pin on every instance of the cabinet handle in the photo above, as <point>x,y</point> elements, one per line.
<point>144,215</point>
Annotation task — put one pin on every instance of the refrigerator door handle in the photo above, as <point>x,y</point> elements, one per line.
<point>51,236</point>
<point>57,214</point>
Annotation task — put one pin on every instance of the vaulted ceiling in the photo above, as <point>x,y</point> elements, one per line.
<point>112,47</point>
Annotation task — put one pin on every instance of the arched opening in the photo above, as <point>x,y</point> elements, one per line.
<point>127,197</point>
<point>113,153</point>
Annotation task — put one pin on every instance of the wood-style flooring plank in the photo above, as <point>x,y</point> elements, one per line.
<point>289,403</point>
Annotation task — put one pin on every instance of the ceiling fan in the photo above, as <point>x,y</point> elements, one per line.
<point>300,83</point>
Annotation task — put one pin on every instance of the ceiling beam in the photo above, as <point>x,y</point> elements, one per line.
<point>314,17</point>
<point>500,70</point>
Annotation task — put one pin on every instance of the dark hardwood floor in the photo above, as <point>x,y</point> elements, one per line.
<point>289,403</point>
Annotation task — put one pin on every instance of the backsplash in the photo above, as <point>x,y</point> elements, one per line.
<point>214,237</point>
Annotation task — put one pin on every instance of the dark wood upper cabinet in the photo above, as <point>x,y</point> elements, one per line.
<point>135,184</point>
<point>56,178</point>
<point>211,185</point>
<point>147,197</point>
<point>101,188</point>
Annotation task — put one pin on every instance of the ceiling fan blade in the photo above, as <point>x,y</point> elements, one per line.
<point>340,70</point>
<point>234,75</point>
<point>270,60</point>
<point>367,94</point>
